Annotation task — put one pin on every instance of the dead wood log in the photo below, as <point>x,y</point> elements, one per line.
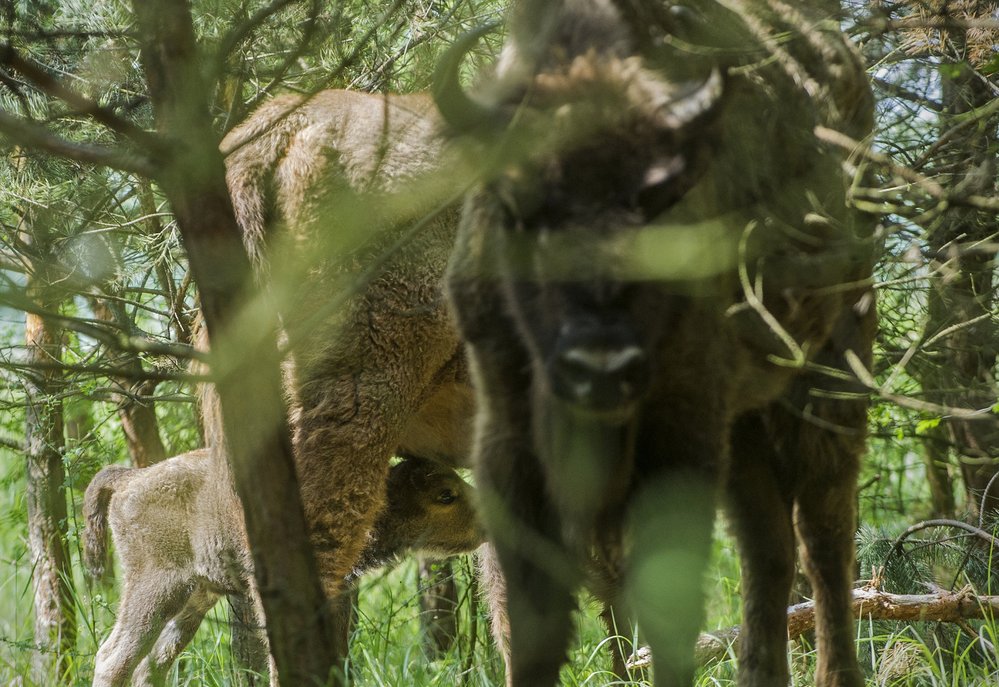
<point>872,604</point>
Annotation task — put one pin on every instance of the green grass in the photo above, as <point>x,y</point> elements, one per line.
<point>387,649</point>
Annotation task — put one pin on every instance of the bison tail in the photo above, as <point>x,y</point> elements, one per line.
<point>96,556</point>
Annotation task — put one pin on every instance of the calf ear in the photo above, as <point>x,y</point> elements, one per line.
<point>418,470</point>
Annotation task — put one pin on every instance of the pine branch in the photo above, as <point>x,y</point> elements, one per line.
<point>29,134</point>
<point>45,82</point>
<point>16,445</point>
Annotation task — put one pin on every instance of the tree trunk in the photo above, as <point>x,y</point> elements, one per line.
<point>55,617</point>
<point>936,455</point>
<point>960,334</point>
<point>438,606</point>
<point>138,417</point>
<point>299,623</point>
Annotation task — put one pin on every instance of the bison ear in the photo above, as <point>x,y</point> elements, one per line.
<point>418,469</point>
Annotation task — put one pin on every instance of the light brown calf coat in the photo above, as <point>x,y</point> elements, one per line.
<point>182,545</point>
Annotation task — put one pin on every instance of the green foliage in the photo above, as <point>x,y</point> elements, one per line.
<point>111,237</point>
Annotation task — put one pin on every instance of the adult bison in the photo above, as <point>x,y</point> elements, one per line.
<point>662,286</point>
<point>660,282</point>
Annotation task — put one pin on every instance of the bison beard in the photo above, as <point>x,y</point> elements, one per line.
<point>654,282</point>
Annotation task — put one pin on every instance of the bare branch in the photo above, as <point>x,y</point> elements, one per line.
<point>945,522</point>
<point>31,135</point>
<point>898,91</point>
<point>17,445</point>
<point>104,371</point>
<point>927,185</point>
<point>103,333</point>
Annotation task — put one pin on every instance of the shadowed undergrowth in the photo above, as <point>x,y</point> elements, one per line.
<point>387,650</point>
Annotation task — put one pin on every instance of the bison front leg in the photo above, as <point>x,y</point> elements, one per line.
<point>343,445</point>
<point>672,523</point>
<point>357,386</point>
<point>671,519</point>
<point>828,422</point>
<point>759,504</point>
<point>539,577</point>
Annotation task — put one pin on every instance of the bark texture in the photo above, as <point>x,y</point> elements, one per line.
<point>298,618</point>
<point>867,604</point>
<point>960,334</point>
<point>55,618</point>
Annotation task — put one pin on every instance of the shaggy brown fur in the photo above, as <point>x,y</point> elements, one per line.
<point>662,287</point>
<point>386,370</point>
<point>181,547</point>
<point>312,182</point>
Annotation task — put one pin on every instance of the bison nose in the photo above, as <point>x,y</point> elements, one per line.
<point>601,378</point>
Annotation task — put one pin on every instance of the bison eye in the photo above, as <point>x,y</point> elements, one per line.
<point>447,496</point>
<point>661,187</point>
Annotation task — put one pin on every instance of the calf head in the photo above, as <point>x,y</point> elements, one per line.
<point>429,510</point>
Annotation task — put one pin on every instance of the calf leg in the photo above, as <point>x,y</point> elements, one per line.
<point>177,634</point>
<point>249,641</point>
<point>759,504</point>
<point>148,601</point>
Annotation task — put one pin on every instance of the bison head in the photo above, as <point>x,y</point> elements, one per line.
<point>589,148</point>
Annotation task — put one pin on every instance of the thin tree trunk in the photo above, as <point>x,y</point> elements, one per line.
<point>961,336</point>
<point>138,417</point>
<point>438,606</point>
<point>55,617</point>
<point>299,623</point>
<point>936,447</point>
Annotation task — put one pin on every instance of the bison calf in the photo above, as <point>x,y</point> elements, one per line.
<point>182,545</point>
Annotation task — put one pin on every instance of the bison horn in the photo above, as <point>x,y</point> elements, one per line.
<point>682,111</point>
<point>460,111</point>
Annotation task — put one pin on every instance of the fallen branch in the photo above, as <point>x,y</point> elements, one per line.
<point>868,604</point>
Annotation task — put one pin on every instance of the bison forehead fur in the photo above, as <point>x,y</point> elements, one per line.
<point>658,268</point>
